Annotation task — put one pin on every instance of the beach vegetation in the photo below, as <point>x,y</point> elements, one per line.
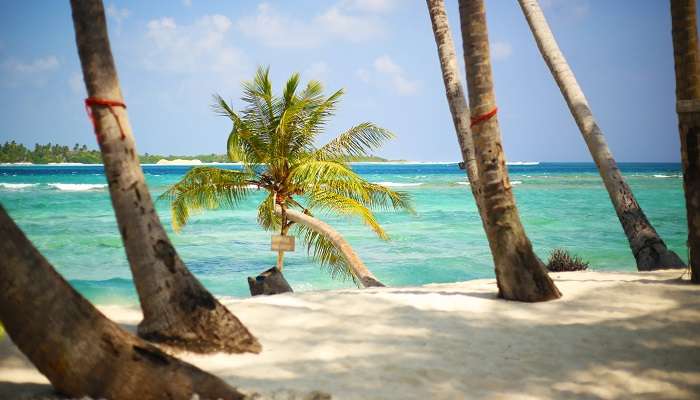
<point>275,139</point>
<point>561,260</point>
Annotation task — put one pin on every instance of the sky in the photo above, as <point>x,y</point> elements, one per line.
<point>172,56</point>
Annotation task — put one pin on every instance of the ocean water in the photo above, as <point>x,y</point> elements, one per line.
<point>66,212</point>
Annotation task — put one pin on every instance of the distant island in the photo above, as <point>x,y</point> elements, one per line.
<point>13,152</point>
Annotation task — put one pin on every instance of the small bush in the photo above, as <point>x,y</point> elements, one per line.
<point>560,261</point>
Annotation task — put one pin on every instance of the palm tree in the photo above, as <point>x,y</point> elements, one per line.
<point>687,65</point>
<point>519,273</point>
<point>649,250</point>
<point>80,351</point>
<point>455,93</point>
<point>274,139</point>
<point>177,309</point>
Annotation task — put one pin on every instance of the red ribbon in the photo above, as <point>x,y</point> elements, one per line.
<point>94,101</point>
<point>484,117</point>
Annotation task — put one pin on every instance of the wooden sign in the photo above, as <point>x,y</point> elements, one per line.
<point>282,243</point>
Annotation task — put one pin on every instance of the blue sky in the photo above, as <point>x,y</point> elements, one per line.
<point>173,55</point>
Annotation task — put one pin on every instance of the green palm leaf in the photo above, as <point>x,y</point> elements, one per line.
<point>324,253</point>
<point>205,188</point>
<point>358,141</point>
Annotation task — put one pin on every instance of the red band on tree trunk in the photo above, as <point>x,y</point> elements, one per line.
<point>94,101</point>
<point>484,117</point>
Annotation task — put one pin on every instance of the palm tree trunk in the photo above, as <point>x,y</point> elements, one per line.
<point>366,278</point>
<point>455,94</point>
<point>649,250</point>
<point>177,309</point>
<point>80,351</point>
<point>520,274</point>
<point>687,65</point>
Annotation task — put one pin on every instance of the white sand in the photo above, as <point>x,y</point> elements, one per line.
<point>178,161</point>
<point>612,336</point>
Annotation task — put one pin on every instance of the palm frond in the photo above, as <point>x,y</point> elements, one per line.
<point>243,144</point>
<point>322,251</point>
<point>358,141</point>
<point>325,200</point>
<point>266,214</point>
<point>337,177</point>
<point>204,188</point>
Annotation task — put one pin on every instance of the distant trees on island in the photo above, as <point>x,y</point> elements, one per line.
<point>13,152</point>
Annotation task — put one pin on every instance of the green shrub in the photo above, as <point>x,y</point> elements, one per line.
<point>560,261</point>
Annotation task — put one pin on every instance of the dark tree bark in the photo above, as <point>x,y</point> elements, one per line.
<point>177,309</point>
<point>687,65</point>
<point>650,252</point>
<point>519,272</point>
<point>80,351</point>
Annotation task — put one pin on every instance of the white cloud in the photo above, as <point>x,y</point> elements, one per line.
<point>571,9</point>
<point>350,27</point>
<point>118,14</point>
<point>274,29</point>
<point>386,71</point>
<point>373,6</point>
<point>363,75</point>
<point>501,51</point>
<point>187,3</point>
<point>277,30</point>
<point>17,73</point>
<point>201,46</point>
<point>317,71</point>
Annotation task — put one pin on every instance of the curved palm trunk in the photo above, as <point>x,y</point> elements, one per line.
<point>520,274</point>
<point>177,309</point>
<point>367,279</point>
<point>455,94</point>
<point>687,65</point>
<point>649,250</point>
<point>80,351</point>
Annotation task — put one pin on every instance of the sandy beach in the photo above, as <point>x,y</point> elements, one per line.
<point>612,336</point>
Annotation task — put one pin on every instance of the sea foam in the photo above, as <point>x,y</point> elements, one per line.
<point>399,184</point>
<point>17,185</point>
<point>77,187</point>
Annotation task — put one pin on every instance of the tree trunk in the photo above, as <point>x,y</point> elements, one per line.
<point>455,94</point>
<point>520,274</point>
<point>649,250</point>
<point>366,278</point>
<point>687,63</point>
<point>80,351</point>
<point>177,309</point>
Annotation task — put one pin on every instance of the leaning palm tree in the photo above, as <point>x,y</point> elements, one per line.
<point>650,252</point>
<point>455,93</point>
<point>177,308</point>
<point>687,63</point>
<point>79,350</point>
<point>274,138</point>
<point>519,272</point>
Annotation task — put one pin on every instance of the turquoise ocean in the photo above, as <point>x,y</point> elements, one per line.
<point>66,212</point>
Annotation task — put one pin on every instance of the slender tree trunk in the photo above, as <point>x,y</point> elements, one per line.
<point>455,94</point>
<point>649,250</point>
<point>80,351</point>
<point>177,309</point>
<point>687,62</point>
<point>520,274</point>
<point>366,278</point>
<point>283,232</point>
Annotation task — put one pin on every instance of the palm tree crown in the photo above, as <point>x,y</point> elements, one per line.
<point>274,138</point>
